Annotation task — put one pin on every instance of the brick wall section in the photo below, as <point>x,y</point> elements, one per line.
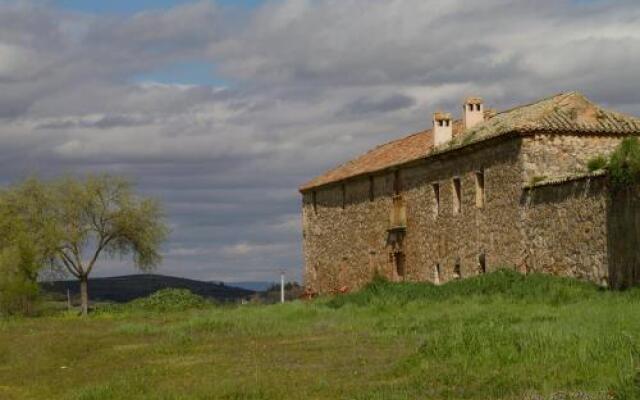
<point>565,229</point>
<point>343,247</point>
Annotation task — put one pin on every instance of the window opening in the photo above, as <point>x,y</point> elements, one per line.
<point>457,196</point>
<point>482,263</point>
<point>457,270</point>
<point>480,189</point>
<point>436,196</point>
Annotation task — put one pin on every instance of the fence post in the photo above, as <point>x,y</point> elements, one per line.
<point>282,286</point>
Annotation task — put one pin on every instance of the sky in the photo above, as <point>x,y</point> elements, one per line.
<point>221,109</point>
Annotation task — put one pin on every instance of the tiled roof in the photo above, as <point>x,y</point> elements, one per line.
<point>564,113</point>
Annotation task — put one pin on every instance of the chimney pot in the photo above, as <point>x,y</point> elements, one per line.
<point>442,128</point>
<point>473,111</point>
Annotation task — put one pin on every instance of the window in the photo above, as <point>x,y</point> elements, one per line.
<point>436,278</point>
<point>457,196</point>
<point>457,270</point>
<point>480,189</point>
<point>482,263</point>
<point>398,217</point>
<point>371,193</point>
<point>436,197</point>
<point>477,107</point>
<point>344,195</point>
<point>314,201</point>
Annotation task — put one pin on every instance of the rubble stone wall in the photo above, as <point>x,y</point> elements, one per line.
<point>345,246</point>
<point>572,228</point>
<point>551,154</point>
<point>565,229</point>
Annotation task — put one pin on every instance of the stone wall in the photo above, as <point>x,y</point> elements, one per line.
<point>573,228</point>
<point>549,154</point>
<point>565,229</point>
<point>344,246</point>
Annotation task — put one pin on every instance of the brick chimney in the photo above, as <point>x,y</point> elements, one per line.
<point>473,112</point>
<point>442,128</point>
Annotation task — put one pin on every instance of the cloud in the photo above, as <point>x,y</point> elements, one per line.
<point>385,104</point>
<point>312,84</point>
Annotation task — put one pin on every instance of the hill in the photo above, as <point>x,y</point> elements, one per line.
<point>126,288</point>
<point>256,286</point>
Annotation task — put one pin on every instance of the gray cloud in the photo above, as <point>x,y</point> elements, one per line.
<point>381,105</point>
<point>314,84</point>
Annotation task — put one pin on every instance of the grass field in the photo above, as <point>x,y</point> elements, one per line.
<point>499,336</point>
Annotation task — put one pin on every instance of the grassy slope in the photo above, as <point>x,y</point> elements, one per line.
<point>496,336</point>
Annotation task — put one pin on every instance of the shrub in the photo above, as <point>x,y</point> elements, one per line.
<point>624,163</point>
<point>18,293</point>
<point>168,300</point>
<point>597,163</point>
<point>18,286</point>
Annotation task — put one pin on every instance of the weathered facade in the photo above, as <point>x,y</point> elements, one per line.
<point>500,190</point>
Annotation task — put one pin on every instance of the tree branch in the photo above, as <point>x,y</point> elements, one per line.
<point>70,268</point>
<point>78,261</point>
<point>103,243</point>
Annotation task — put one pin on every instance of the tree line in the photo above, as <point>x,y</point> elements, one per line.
<point>67,226</point>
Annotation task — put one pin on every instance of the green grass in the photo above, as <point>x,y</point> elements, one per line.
<point>500,335</point>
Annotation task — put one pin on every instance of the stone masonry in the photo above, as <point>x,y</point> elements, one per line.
<point>512,191</point>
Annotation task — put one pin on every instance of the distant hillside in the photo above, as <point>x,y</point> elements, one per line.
<point>129,287</point>
<point>257,286</point>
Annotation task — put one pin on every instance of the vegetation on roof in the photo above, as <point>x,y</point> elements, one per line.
<point>622,165</point>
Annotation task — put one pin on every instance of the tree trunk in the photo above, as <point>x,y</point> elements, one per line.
<point>84,295</point>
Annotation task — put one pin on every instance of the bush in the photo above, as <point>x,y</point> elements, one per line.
<point>597,163</point>
<point>18,273</point>
<point>624,163</point>
<point>164,300</point>
<point>18,294</point>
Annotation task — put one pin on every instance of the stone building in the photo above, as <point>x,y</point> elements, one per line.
<point>492,190</point>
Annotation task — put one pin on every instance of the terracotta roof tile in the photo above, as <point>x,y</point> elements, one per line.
<point>564,113</point>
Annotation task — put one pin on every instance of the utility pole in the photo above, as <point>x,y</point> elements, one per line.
<point>281,286</point>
